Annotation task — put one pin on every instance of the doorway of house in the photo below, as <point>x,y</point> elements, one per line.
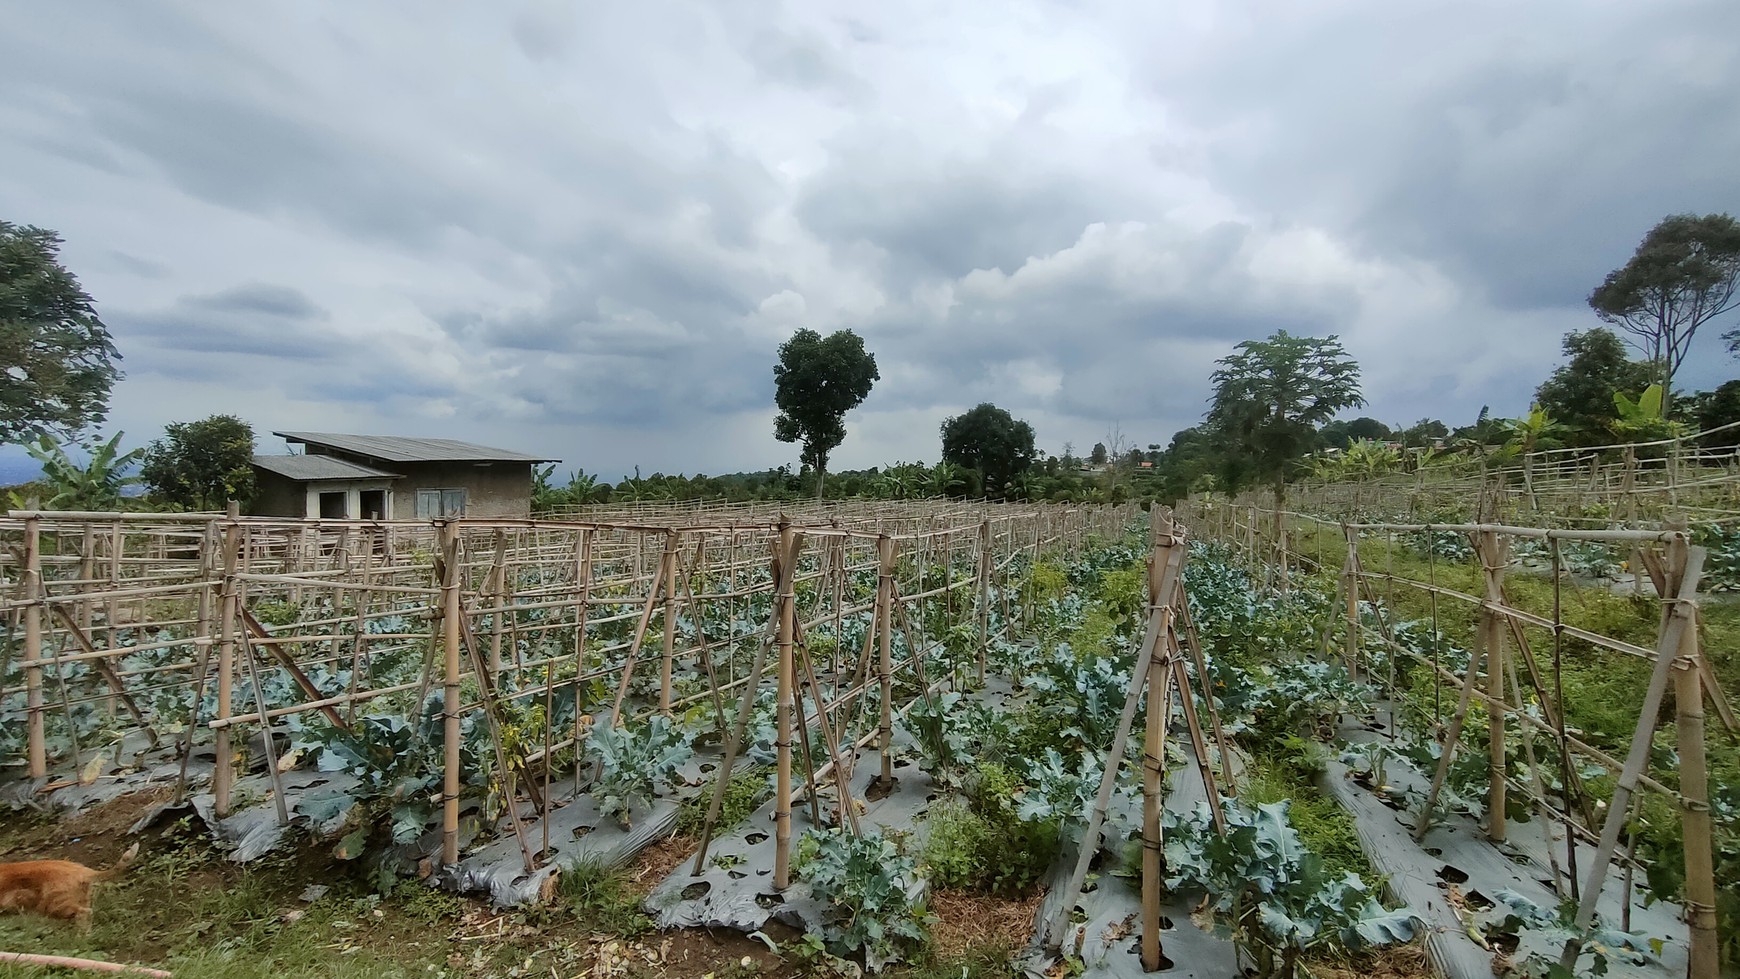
<point>332,506</point>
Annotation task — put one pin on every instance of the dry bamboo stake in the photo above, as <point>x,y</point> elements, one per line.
<point>1153,797</point>
<point>1193,645</point>
<point>1053,930</point>
<point>668,570</point>
<point>732,745</point>
<point>497,585</point>
<point>267,739</point>
<point>1454,736</point>
<point>224,774</point>
<point>1694,797</point>
<point>784,600</point>
<point>450,613</point>
<point>848,807</point>
<point>1492,554</point>
<point>583,589</point>
<point>984,589</point>
<point>32,589</point>
<point>492,717</point>
<point>362,605</point>
<point>1350,576</point>
<point>1689,563</point>
<point>1537,786</point>
<point>884,631</point>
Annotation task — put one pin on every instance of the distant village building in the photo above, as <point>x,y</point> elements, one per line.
<point>384,477</point>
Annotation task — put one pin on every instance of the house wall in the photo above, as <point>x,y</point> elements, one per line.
<point>353,496</point>
<point>492,489</point>
<point>281,496</point>
<point>278,496</point>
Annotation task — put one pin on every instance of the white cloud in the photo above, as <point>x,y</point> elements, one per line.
<point>584,231</point>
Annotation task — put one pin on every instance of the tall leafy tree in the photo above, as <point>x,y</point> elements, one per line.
<point>57,362</point>
<point>1341,434</point>
<point>1714,409</point>
<point>1580,392</point>
<point>1099,454</point>
<point>992,441</point>
<point>202,465</point>
<point>1683,274</point>
<point>816,381</point>
<point>1423,432</point>
<point>1270,396</point>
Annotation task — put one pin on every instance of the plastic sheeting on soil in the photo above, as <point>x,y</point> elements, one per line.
<point>1107,937</point>
<point>735,887</point>
<point>1420,874</point>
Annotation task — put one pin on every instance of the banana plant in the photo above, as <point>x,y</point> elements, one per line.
<point>1643,420</point>
<point>1533,431</point>
<point>96,485</point>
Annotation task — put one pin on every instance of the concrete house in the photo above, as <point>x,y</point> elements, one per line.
<point>390,478</point>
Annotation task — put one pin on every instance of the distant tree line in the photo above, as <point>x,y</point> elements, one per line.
<point>1275,414</point>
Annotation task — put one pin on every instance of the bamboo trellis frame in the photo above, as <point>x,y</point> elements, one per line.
<point>497,617</point>
<point>1491,680</point>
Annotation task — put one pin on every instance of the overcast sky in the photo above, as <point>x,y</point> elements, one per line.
<point>583,229</point>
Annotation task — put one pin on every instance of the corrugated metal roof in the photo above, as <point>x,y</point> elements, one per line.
<point>318,467</point>
<point>393,448</point>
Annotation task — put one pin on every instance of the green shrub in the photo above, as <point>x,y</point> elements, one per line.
<point>955,847</point>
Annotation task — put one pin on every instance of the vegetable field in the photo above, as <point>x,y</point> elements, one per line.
<point>1180,754</point>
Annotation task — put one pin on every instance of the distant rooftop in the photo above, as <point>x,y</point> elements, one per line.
<point>393,448</point>
<point>318,467</point>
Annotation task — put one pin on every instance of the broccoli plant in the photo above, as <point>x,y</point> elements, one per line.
<point>1278,896</point>
<point>1595,944</point>
<point>633,762</point>
<point>869,883</point>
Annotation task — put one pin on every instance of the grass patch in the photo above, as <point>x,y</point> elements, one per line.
<point>602,899</point>
<point>1323,824</point>
<point>745,793</point>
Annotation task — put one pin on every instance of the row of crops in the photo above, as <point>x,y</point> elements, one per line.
<point>1282,874</point>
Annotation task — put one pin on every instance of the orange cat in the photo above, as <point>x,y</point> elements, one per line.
<point>56,888</point>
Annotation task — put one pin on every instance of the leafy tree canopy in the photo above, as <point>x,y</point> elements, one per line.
<point>1341,434</point>
<point>202,465</point>
<point>1098,456</point>
<point>1714,409</point>
<point>56,359</point>
<point>816,382</point>
<point>991,441</point>
<point>1682,275</point>
<point>1422,432</point>
<point>1270,396</point>
<point>1580,392</point>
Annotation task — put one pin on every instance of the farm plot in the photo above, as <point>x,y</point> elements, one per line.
<point>883,733</point>
<point>1578,749</point>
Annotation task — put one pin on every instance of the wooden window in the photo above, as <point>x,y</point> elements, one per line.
<point>436,503</point>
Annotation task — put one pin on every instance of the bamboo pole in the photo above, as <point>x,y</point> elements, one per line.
<point>668,570</point>
<point>1350,579</point>
<point>224,774</point>
<point>451,610</point>
<point>1153,795</point>
<point>784,600</point>
<point>1685,563</point>
<point>32,582</point>
<point>1492,554</point>
<point>884,628</point>
<point>1700,885</point>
